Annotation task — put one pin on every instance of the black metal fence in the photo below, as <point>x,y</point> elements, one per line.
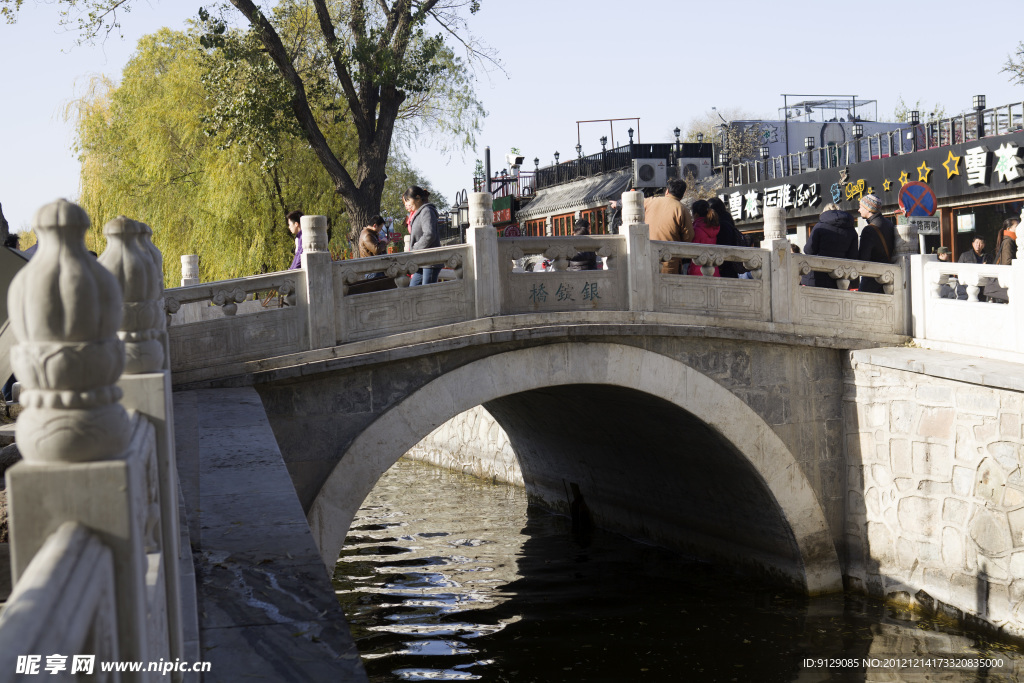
<point>615,159</point>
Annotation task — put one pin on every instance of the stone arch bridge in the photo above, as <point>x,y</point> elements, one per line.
<point>702,413</point>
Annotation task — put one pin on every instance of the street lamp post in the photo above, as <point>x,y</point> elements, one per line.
<point>723,161</point>
<point>858,131</point>
<point>809,146</point>
<point>765,153</point>
<point>979,105</point>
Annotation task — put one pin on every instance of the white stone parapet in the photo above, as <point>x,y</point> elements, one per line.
<point>971,326</point>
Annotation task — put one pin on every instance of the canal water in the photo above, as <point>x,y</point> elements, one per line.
<point>447,578</point>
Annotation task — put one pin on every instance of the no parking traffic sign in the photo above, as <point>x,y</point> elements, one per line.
<point>917,199</point>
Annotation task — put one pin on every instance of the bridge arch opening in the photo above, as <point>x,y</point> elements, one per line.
<point>688,464</point>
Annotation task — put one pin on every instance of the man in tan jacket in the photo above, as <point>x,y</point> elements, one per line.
<point>669,220</point>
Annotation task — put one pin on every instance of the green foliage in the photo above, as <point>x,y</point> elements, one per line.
<point>146,152</point>
<point>348,75</point>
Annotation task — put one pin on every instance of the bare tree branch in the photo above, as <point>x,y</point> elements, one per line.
<point>300,104</point>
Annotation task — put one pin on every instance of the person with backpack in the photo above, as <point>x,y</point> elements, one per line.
<point>877,240</point>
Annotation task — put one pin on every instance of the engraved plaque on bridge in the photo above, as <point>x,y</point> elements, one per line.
<point>565,291</point>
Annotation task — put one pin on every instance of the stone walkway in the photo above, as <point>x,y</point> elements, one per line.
<point>267,609</point>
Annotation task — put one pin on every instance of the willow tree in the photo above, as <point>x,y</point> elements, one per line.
<point>379,58</point>
<point>149,150</point>
<point>146,152</point>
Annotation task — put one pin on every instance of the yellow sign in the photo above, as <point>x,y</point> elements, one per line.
<point>854,190</point>
<point>955,168</point>
<point>904,178</point>
<point>886,184</point>
<point>923,172</point>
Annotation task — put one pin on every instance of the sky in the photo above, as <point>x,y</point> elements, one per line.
<point>665,62</point>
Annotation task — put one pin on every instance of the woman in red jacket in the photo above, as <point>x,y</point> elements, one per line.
<point>705,230</point>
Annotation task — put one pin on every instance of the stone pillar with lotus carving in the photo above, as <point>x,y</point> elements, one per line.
<point>86,459</point>
<point>137,264</point>
<point>65,311</point>
<point>130,261</point>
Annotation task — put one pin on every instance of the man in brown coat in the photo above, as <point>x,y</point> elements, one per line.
<point>669,220</point>
<point>369,239</point>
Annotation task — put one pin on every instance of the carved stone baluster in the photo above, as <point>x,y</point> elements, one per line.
<point>229,300</point>
<point>632,208</point>
<point>754,264</point>
<point>129,260</point>
<point>86,461</point>
<point>907,242</point>
<point>65,310</point>
<point>189,270</point>
<point>481,210</point>
<point>774,225</point>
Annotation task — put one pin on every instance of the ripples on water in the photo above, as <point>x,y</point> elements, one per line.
<point>444,577</point>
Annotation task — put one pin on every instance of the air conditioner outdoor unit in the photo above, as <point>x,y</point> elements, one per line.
<point>650,173</point>
<point>698,167</point>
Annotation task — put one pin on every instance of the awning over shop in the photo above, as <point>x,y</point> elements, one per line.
<point>577,194</point>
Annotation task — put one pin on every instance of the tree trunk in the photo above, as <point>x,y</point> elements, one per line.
<point>360,208</point>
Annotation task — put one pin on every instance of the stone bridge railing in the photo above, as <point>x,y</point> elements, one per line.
<point>95,547</point>
<point>330,303</point>
<point>972,325</point>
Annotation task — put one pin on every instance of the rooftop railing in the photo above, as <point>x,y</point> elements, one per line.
<point>906,140</point>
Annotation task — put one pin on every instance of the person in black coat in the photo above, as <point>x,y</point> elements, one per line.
<point>835,236</point>
<point>728,235</point>
<point>877,240</point>
<point>582,260</point>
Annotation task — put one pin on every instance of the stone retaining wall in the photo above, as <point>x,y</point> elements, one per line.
<point>935,508</point>
<point>472,443</point>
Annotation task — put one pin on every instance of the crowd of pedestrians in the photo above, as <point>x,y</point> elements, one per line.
<point>422,223</point>
<point>705,222</point>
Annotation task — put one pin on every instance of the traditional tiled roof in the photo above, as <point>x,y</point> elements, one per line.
<point>580,193</point>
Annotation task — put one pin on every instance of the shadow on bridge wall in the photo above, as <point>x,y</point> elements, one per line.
<point>655,447</point>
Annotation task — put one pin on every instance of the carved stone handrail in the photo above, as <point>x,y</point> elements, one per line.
<point>228,291</point>
<point>70,583</point>
<point>709,256</point>
<point>845,270</point>
<point>561,249</point>
<point>401,266</point>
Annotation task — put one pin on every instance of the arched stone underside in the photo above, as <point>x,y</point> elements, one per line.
<point>723,476</point>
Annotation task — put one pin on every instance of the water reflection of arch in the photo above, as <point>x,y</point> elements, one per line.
<point>732,467</point>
